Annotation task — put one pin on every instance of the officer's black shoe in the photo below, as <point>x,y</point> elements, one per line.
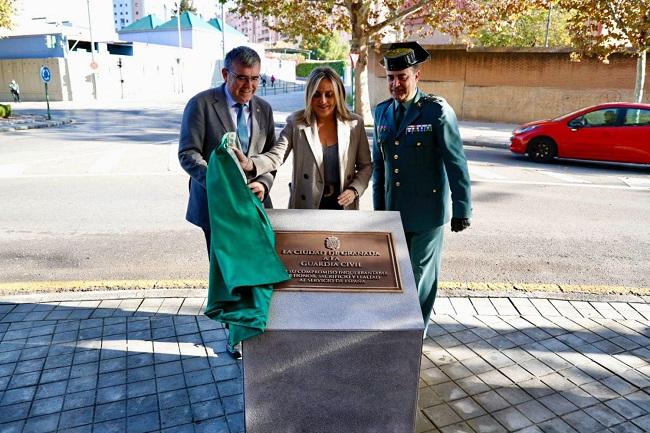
<point>235,351</point>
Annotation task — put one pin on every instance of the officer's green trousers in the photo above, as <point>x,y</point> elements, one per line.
<point>425,249</point>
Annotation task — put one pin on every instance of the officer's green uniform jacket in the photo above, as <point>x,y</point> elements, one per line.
<point>244,265</point>
<point>415,165</point>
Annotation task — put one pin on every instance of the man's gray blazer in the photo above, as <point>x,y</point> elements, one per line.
<point>205,119</point>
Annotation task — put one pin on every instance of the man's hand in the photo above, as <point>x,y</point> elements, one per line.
<point>258,189</point>
<point>459,224</point>
<point>347,197</point>
<point>245,162</point>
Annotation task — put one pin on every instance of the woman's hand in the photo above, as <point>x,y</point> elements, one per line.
<point>245,162</point>
<point>347,197</point>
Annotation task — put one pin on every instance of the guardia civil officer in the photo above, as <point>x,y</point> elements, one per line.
<point>418,160</point>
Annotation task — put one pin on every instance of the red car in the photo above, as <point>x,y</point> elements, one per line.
<point>617,131</point>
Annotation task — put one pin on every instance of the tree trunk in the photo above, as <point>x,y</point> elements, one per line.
<point>362,97</point>
<point>640,76</point>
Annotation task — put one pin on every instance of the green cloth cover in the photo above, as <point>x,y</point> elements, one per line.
<point>244,265</point>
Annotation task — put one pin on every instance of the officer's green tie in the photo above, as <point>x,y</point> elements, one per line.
<point>242,127</point>
<point>399,117</point>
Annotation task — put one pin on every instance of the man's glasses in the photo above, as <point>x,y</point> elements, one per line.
<point>245,78</point>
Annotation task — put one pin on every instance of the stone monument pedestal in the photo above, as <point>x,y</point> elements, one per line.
<point>337,360</point>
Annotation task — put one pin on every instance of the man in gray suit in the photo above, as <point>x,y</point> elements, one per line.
<point>210,114</point>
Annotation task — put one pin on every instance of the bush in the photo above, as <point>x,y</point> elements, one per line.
<point>5,110</point>
<point>305,68</point>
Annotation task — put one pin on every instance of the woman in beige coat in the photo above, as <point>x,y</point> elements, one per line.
<point>331,154</point>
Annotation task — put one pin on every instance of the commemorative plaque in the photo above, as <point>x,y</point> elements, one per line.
<point>338,261</point>
<point>346,328</point>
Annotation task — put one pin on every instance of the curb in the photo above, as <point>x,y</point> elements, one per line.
<point>172,288</point>
<point>36,125</point>
<point>466,142</point>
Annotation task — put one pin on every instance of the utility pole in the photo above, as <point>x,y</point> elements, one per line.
<point>223,34</point>
<point>180,45</point>
<point>93,64</point>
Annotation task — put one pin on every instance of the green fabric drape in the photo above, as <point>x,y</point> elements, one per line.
<point>244,265</point>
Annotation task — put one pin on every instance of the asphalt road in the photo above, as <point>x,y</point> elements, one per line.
<point>104,199</point>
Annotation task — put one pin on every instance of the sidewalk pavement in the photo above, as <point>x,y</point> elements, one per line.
<point>474,133</point>
<point>29,121</point>
<point>135,361</point>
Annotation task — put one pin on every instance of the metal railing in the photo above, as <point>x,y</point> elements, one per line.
<point>280,87</point>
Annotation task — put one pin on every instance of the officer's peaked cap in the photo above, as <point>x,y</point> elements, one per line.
<point>401,55</point>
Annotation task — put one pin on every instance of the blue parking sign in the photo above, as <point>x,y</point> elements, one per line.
<point>46,75</point>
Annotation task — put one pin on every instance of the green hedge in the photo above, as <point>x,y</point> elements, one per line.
<point>304,68</point>
<point>5,110</point>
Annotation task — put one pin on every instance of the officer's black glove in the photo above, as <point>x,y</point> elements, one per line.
<point>459,224</point>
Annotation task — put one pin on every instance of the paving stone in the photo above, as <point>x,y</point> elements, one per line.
<point>641,399</point>
<point>111,393</point>
<point>535,411</point>
<point>112,426</point>
<point>142,423</point>
<point>512,419</point>
<point>582,422</point>
<point>472,385</point>
<point>431,376</point>
<point>13,412</point>
<point>604,415</point>
<point>467,408</point>
<point>442,415</point>
<point>516,373</point>
<point>76,417</point>
<point>110,411</point>
<point>51,389</point>
<point>46,406</point>
<point>214,425</point>
<point>495,379</point>
<point>142,404</point>
<point>18,395</point>
<point>491,401</point>
<point>626,427</point>
<point>233,404</point>
<point>171,399</point>
<point>513,395</point>
<point>599,391</point>
<point>12,427</point>
<point>477,365</point>
<point>486,424</point>
<point>42,424</point>
<point>201,377</point>
<point>556,425</point>
<point>579,397</point>
<point>422,423</point>
<point>535,388</point>
<point>625,408</point>
<point>206,410</point>
<point>179,415</point>
<point>461,427</point>
<point>558,404</point>
<point>448,391</point>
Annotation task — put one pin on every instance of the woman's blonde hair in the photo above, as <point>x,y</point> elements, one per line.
<point>341,111</point>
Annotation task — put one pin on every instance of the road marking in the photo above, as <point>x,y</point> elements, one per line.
<point>76,175</point>
<point>562,176</point>
<point>639,182</point>
<point>583,185</point>
<point>11,170</point>
<point>484,174</point>
<point>107,162</point>
<point>92,285</point>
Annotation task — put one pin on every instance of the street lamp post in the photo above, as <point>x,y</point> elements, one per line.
<point>180,46</point>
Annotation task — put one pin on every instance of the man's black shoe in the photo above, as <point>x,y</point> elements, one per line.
<point>235,351</point>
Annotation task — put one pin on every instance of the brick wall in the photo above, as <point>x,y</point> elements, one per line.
<point>516,85</point>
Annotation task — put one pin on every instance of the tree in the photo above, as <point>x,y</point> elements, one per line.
<point>604,27</point>
<point>185,6</point>
<point>529,30</point>
<point>328,47</point>
<point>6,13</point>
<point>368,21</point>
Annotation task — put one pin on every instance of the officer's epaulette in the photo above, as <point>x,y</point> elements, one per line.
<point>432,98</point>
<point>386,101</point>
